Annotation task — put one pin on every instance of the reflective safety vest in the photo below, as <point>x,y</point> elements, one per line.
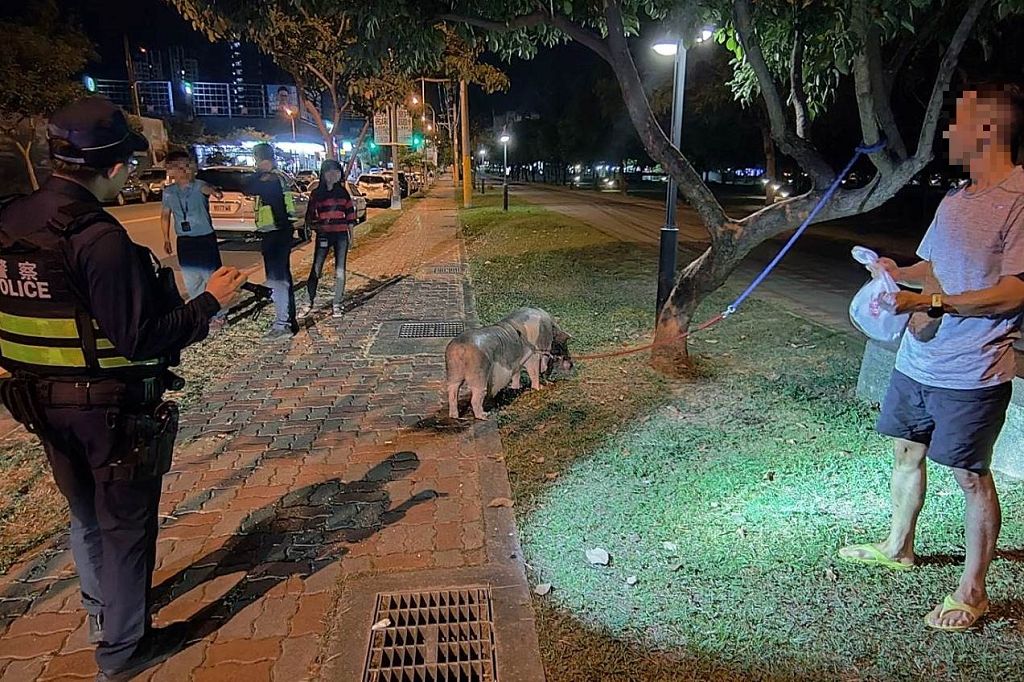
<point>265,221</point>
<point>45,328</point>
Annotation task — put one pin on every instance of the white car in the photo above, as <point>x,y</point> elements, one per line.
<point>375,187</point>
<point>236,210</point>
<point>358,200</point>
<point>154,180</point>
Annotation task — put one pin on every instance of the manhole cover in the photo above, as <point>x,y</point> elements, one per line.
<point>430,330</point>
<point>452,269</point>
<point>443,636</point>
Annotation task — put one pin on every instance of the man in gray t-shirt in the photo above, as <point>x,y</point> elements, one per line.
<point>948,396</point>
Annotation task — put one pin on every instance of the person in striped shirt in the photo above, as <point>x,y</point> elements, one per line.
<point>333,215</point>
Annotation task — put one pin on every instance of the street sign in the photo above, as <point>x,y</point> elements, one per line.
<point>404,126</point>
<point>381,128</point>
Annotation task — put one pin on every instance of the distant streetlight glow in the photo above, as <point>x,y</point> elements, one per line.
<point>415,99</point>
<point>504,139</point>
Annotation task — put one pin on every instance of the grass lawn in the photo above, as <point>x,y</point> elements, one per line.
<point>32,510</point>
<point>725,496</point>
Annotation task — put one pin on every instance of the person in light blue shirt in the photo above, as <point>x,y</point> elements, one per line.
<point>949,393</point>
<point>186,200</point>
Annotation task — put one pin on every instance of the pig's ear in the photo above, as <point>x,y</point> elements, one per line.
<point>561,336</point>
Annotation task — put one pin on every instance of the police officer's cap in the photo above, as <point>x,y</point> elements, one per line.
<point>92,132</point>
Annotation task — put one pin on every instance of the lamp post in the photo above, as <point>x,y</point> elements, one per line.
<point>483,180</point>
<point>670,232</point>
<point>290,113</point>
<point>504,139</point>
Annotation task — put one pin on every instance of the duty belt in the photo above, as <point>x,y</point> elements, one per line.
<point>100,393</point>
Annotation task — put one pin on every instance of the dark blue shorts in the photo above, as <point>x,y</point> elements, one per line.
<point>959,427</point>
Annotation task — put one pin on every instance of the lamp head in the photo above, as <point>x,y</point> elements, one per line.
<point>666,47</point>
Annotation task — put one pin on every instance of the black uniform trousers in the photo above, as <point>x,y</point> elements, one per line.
<point>113,527</point>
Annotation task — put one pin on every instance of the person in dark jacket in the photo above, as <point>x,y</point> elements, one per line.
<point>333,215</point>
<point>88,329</point>
<point>275,214</point>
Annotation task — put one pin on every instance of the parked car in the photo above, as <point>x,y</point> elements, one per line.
<point>133,190</point>
<point>358,200</point>
<point>235,211</point>
<point>154,180</point>
<point>403,181</point>
<point>305,179</point>
<point>376,188</point>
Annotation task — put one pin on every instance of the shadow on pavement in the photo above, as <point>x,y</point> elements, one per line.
<point>298,535</point>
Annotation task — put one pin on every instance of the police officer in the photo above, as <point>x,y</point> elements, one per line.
<point>89,325</point>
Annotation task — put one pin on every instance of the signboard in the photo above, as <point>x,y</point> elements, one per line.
<point>281,96</point>
<point>381,128</point>
<point>404,126</point>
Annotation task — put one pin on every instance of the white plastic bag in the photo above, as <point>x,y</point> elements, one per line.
<point>868,312</point>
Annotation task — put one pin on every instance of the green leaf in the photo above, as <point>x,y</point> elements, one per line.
<point>567,7</point>
<point>731,44</point>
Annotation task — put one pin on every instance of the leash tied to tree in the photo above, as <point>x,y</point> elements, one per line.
<point>861,150</point>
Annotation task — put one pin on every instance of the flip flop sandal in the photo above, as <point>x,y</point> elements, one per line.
<point>874,558</point>
<point>950,605</point>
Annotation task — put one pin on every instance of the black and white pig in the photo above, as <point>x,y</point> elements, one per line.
<point>490,358</point>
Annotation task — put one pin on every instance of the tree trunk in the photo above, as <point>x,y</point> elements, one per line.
<point>26,153</point>
<point>357,146</point>
<point>770,163</point>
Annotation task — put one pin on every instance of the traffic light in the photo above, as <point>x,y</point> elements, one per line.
<point>373,146</point>
<point>417,140</point>
<point>186,88</point>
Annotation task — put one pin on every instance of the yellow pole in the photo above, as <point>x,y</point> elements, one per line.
<point>467,171</point>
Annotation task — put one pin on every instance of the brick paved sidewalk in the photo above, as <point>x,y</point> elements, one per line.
<point>307,483</point>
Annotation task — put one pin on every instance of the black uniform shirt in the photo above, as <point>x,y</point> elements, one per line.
<point>122,294</point>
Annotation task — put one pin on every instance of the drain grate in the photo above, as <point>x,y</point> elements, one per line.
<point>430,330</point>
<point>443,636</point>
<point>453,269</point>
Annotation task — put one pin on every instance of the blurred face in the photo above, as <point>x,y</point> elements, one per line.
<point>332,177</point>
<point>980,125</point>
<point>265,165</point>
<point>181,172</point>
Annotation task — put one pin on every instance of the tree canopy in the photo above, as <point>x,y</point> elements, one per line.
<point>37,78</point>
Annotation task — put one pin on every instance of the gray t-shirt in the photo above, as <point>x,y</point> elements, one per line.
<point>975,238</point>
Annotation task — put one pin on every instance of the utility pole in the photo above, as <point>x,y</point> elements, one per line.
<point>467,170</point>
<point>456,157</point>
<point>133,84</point>
<point>396,186</point>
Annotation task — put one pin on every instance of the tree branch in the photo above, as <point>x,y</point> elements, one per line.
<point>909,46</point>
<point>805,154</point>
<point>316,72</point>
<point>796,83</point>
<point>926,139</point>
<point>882,93</point>
<point>864,88</point>
<point>581,35</point>
<point>657,143</point>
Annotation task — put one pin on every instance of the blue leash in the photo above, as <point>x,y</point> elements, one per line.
<point>861,150</point>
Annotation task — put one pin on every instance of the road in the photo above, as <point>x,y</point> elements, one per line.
<point>143,224</point>
<point>818,277</point>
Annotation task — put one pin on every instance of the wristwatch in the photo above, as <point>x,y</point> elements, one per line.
<point>935,310</point>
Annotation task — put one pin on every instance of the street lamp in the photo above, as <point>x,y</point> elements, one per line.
<point>668,47</point>
<point>504,139</point>
<point>290,113</point>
